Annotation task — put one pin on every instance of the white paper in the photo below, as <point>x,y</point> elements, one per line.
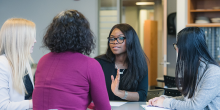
<point>146,107</point>
<point>117,103</point>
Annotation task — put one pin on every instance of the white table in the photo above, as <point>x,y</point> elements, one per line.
<point>129,106</point>
<point>132,106</point>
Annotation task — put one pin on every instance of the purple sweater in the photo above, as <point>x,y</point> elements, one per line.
<point>69,81</point>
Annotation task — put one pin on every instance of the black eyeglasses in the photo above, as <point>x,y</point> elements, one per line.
<point>120,40</point>
<point>175,46</point>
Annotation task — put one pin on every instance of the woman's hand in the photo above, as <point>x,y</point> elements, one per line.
<point>157,101</point>
<point>150,102</point>
<point>115,83</point>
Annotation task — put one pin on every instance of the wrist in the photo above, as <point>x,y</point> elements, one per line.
<point>120,93</point>
<point>125,96</point>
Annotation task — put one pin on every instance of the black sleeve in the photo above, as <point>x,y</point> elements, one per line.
<point>108,71</point>
<point>143,88</point>
<point>28,86</point>
<point>98,60</point>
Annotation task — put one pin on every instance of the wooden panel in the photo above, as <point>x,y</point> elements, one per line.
<point>208,14</point>
<point>203,8</point>
<point>206,4</point>
<point>191,4</point>
<point>150,49</point>
<point>204,14</point>
<point>204,25</point>
<point>212,10</point>
<point>190,15</point>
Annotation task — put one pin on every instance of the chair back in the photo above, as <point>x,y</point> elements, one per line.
<point>172,92</point>
<point>169,81</point>
<point>154,93</point>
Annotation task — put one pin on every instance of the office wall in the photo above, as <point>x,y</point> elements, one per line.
<point>42,12</point>
<point>181,14</point>
<point>131,16</point>
<point>158,16</point>
<point>144,14</point>
<point>171,53</point>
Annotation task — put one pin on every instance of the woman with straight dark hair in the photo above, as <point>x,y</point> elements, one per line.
<point>125,65</point>
<point>65,78</point>
<point>197,75</point>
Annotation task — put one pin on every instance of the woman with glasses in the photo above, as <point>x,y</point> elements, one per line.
<point>197,75</point>
<point>125,65</point>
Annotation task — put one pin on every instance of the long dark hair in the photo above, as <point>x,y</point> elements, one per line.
<point>69,31</point>
<point>192,50</point>
<point>136,58</point>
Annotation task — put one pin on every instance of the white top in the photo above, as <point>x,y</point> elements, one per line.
<point>10,99</point>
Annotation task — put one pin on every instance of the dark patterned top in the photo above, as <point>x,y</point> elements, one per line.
<point>28,86</point>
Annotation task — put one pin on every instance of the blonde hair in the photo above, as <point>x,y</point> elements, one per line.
<point>17,36</point>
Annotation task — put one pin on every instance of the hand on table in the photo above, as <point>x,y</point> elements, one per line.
<point>157,101</point>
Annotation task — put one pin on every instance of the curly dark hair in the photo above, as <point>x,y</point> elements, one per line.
<point>69,31</point>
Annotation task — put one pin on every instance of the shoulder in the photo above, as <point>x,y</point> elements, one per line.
<point>213,70</point>
<point>210,78</point>
<point>211,74</point>
<point>102,59</point>
<point>4,61</point>
<point>92,62</point>
<point>44,57</point>
<point>93,66</point>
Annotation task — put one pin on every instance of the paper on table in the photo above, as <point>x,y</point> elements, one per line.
<point>147,107</point>
<point>117,103</point>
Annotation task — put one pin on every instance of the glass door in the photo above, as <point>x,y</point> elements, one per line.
<point>109,15</point>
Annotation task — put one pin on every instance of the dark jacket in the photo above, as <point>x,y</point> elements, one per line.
<point>108,67</point>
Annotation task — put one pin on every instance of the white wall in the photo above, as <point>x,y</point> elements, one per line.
<point>143,15</point>
<point>158,16</point>
<point>181,14</point>
<point>131,17</point>
<point>171,53</point>
<point>171,6</point>
<point>42,12</point>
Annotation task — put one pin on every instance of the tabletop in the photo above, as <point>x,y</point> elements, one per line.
<point>129,106</point>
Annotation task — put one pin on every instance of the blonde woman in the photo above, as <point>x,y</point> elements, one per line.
<point>17,38</point>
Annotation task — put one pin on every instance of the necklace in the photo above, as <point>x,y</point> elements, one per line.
<point>119,70</point>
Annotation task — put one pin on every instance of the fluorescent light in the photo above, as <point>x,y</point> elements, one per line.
<point>144,3</point>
